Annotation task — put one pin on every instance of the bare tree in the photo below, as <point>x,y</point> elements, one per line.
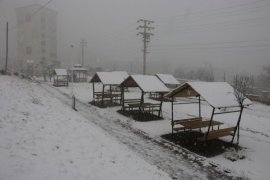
<point>242,86</point>
<point>265,76</point>
<point>201,73</point>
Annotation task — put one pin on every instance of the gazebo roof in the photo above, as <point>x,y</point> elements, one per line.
<point>110,78</point>
<point>168,79</point>
<point>61,72</point>
<point>146,83</point>
<point>217,94</point>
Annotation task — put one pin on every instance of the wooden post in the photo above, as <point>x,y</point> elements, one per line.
<point>93,84</point>
<point>237,125</point>
<point>160,106</point>
<point>6,49</point>
<point>210,123</point>
<point>142,101</point>
<point>122,98</point>
<point>200,115</point>
<point>172,116</point>
<point>102,97</point>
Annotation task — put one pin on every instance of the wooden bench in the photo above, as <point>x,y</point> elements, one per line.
<point>217,133</point>
<point>107,96</point>
<point>151,108</point>
<point>60,82</point>
<point>128,103</point>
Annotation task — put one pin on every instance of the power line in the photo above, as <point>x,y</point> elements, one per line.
<point>35,12</point>
<point>242,21</point>
<point>213,43</point>
<point>217,47</point>
<point>42,7</point>
<point>208,12</point>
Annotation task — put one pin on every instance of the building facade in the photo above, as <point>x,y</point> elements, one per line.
<point>36,39</point>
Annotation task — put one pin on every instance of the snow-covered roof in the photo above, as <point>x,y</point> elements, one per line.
<point>110,78</point>
<point>146,83</point>
<point>61,72</point>
<point>217,94</point>
<point>78,69</point>
<point>168,79</point>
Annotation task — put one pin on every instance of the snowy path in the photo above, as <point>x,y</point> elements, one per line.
<point>178,163</point>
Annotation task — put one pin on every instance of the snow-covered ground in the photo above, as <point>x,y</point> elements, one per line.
<point>42,138</point>
<point>254,132</point>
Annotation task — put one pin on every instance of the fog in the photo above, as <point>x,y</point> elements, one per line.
<point>230,35</point>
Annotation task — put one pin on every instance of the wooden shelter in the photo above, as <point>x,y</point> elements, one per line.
<point>169,80</point>
<point>79,73</point>
<point>111,80</point>
<point>60,77</point>
<point>147,84</point>
<point>220,96</point>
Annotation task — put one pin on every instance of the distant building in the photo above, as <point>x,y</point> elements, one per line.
<point>36,38</point>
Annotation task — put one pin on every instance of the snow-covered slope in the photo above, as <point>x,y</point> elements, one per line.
<point>42,138</point>
<point>254,132</point>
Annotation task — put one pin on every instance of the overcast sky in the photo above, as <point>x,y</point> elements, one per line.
<point>228,34</point>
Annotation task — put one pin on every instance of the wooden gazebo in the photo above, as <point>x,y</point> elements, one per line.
<point>109,80</point>
<point>147,84</point>
<point>220,96</point>
<point>60,77</point>
<point>79,73</point>
<point>169,80</point>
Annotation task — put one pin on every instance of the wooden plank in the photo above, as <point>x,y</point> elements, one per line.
<point>178,128</point>
<point>217,133</point>
<point>199,124</point>
<point>179,121</point>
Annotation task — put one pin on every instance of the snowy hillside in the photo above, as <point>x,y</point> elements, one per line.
<point>254,131</point>
<point>42,138</point>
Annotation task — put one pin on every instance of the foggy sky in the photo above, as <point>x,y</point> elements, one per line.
<point>231,35</point>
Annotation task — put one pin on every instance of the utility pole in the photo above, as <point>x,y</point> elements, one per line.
<point>83,44</point>
<point>145,32</point>
<point>6,49</point>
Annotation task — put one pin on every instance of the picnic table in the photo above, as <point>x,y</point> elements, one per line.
<point>107,95</point>
<point>144,107</point>
<point>199,124</point>
<point>139,106</point>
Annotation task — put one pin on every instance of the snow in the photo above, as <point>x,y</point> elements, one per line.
<point>78,69</point>
<point>168,79</point>
<point>42,138</point>
<point>254,133</point>
<point>217,94</point>
<point>148,83</point>
<point>61,72</point>
<point>111,78</point>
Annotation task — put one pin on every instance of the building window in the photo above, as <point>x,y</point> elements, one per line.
<point>43,19</point>
<point>53,55</point>
<point>43,43</point>
<point>43,35</point>
<point>43,51</point>
<point>28,17</point>
<point>28,50</point>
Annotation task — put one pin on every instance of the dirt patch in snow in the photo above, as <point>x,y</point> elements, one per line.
<point>209,148</point>
<point>105,104</point>
<point>139,116</point>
